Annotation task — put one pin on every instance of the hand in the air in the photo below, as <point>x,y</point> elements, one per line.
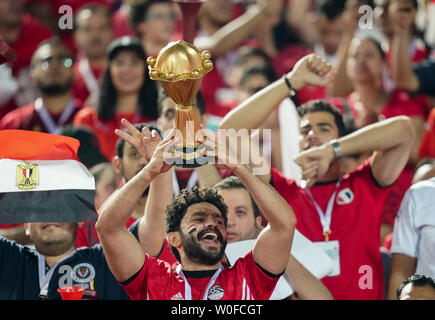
<point>144,141</point>
<point>311,70</point>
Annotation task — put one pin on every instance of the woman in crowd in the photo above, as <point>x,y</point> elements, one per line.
<point>126,92</point>
<point>370,102</point>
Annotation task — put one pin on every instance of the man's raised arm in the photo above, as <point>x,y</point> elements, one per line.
<point>250,114</point>
<point>272,248</point>
<point>391,141</point>
<point>309,70</point>
<point>124,254</point>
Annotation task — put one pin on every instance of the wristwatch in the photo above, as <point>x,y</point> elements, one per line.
<point>338,152</point>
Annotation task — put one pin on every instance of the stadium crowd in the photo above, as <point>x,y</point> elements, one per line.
<point>346,89</point>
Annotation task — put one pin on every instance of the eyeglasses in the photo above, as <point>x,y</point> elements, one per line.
<point>64,61</point>
<point>161,16</point>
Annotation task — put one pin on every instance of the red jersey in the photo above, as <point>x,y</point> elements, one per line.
<point>87,235</point>
<point>355,223</point>
<point>213,88</point>
<point>243,281</point>
<point>105,129</point>
<point>286,58</point>
<point>31,35</point>
<point>86,81</point>
<point>121,25</point>
<point>399,103</point>
<point>167,255</point>
<point>427,147</point>
<point>10,226</point>
<point>27,118</point>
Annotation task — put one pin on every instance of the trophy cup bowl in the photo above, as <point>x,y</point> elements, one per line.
<point>179,68</point>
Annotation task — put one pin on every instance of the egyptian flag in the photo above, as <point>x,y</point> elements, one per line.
<point>41,179</point>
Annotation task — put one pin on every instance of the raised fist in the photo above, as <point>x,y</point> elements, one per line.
<point>311,70</point>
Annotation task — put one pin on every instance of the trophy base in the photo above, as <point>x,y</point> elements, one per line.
<point>191,157</point>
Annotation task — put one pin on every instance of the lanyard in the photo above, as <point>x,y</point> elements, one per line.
<point>44,278</point>
<point>188,289</point>
<point>88,76</point>
<point>47,119</point>
<point>193,180</point>
<point>325,217</point>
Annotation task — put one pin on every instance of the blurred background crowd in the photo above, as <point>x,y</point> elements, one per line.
<point>81,80</point>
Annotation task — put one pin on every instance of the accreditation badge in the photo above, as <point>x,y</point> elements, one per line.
<point>331,248</point>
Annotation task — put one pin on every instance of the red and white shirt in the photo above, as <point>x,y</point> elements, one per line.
<point>105,129</point>
<point>243,281</point>
<point>86,80</point>
<point>355,223</point>
<point>29,118</point>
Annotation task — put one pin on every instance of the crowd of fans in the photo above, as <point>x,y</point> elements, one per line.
<point>91,82</point>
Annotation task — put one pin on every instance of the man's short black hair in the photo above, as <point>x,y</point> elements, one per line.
<point>414,4</point>
<point>121,142</point>
<point>89,152</point>
<point>417,280</point>
<point>176,211</point>
<point>139,10</point>
<point>247,52</point>
<point>187,197</point>
<point>324,106</point>
<point>234,182</point>
<point>331,9</point>
<point>266,71</point>
<point>199,102</point>
<point>52,42</point>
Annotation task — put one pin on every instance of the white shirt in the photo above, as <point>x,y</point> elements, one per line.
<point>414,229</point>
<point>8,84</point>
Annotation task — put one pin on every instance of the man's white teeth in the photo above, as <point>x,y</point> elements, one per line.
<point>210,236</point>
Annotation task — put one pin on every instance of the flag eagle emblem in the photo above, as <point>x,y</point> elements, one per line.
<point>27,176</point>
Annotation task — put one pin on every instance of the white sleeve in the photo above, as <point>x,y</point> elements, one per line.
<point>406,236</point>
<point>8,84</point>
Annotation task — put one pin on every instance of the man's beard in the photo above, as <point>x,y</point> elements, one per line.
<point>54,89</point>
<point>196,254</point>
<point>56,247</point>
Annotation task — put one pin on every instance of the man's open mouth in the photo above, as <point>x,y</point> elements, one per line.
<point>210,237</point>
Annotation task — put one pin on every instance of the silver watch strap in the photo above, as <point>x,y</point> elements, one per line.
<point>337,150</point>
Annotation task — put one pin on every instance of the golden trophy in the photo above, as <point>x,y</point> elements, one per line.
<point>179,68</point>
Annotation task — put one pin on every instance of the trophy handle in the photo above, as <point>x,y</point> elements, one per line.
<point>189,11</point>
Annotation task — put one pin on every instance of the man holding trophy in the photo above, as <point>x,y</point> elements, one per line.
<point>196,219</point>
